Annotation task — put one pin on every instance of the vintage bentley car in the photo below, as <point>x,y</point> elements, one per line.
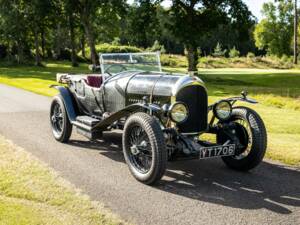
<point>163,116</point>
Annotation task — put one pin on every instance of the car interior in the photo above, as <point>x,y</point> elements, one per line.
<point>94,80</point>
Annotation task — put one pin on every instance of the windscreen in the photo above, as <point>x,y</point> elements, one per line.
<point>120,62</point>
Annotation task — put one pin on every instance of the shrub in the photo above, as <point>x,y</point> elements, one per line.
<point>157,47</point>
<point>116,41</point>
<point>173,60</point>
<point>65,54</point>
<point>218,51</point>
<point>3,51</point>
<point>109,48</point>
<point>234,53</point>
<point>204,60</point>
<point>250,55</point>
<point>286,59</point>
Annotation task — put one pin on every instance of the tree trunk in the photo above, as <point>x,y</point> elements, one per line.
<point>192,57</point>
<point>82,45</point>
<point>43,43</point>
<point>37,46</point>
<point>295,33</point>
<point>57,49</point>
<point>8,51</point>
<point>72,39</point>
<point>91,40</point>
<point>20,47</point>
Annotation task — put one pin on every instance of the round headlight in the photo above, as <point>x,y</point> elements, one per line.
<point>178,112</point>
<point>222,110</point>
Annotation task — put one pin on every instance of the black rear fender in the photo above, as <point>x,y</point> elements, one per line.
<point>68,100</point>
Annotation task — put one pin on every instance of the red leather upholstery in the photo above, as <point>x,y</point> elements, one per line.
<point>94,80</point>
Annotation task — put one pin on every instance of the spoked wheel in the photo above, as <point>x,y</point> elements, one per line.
<point>140,154</point>
<point>244,135</point>
<point>61,126</point>
<point>144,148</point>
<point>251,133</point>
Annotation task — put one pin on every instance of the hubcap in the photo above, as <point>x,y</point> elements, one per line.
<point>134,150</point>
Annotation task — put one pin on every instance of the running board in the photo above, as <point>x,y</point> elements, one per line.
<point>84,125</point>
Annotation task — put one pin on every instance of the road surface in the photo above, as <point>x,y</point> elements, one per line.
<point>191,192</point>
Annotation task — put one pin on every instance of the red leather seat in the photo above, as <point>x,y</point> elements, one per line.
<point>94,80</point>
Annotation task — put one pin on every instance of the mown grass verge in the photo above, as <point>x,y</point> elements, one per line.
<point>31,193</point>
<point>37,79</point>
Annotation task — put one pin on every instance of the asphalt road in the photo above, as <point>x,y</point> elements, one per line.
<point>191,192</point>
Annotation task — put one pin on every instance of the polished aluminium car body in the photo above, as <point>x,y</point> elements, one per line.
<point>133,89</point>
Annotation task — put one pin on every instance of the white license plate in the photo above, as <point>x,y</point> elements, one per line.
<point>217,151</point>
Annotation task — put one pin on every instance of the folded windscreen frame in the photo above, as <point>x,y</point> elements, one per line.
<point>113,63</point>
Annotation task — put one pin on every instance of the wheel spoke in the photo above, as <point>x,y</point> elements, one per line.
<point>247,144</point>
<point>142,155</point>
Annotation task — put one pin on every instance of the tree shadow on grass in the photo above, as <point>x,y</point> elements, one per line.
<point>30,74</point>
<point>270,186</point>
<point>43,73</point>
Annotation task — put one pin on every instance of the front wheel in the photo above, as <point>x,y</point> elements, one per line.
<point>144,148</point>
<point>251,133</point>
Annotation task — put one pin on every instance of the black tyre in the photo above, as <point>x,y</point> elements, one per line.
<point>61,126</point>
<point>251,132</point>
<point>144,148</point>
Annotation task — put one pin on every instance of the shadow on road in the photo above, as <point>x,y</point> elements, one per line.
<point>270,186</point>
<point>110,146</point>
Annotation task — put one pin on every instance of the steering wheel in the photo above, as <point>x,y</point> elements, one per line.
<point>123,68</point>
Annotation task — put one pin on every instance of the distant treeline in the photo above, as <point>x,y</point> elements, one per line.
<point>67,29</point>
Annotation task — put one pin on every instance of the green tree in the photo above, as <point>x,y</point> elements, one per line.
<point>142,23</point>
<point>37,13</point>
<point>218,51</point>
<point>14,35</point>
<point>193,17</point>
<point>70,12</point>
<point>92,11</point>
<point>274,33</point>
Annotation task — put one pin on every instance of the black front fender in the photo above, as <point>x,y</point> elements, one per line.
<point>151,108</point>
<point>68,101</point>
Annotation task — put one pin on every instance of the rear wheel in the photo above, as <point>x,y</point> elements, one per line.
<point>144,148</point>
<point>61,126</point>
<point>251,133</point>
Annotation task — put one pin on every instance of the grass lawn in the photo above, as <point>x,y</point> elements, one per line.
<point>278,92</point>
<point>31,193</point>
<point>37,79</point>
